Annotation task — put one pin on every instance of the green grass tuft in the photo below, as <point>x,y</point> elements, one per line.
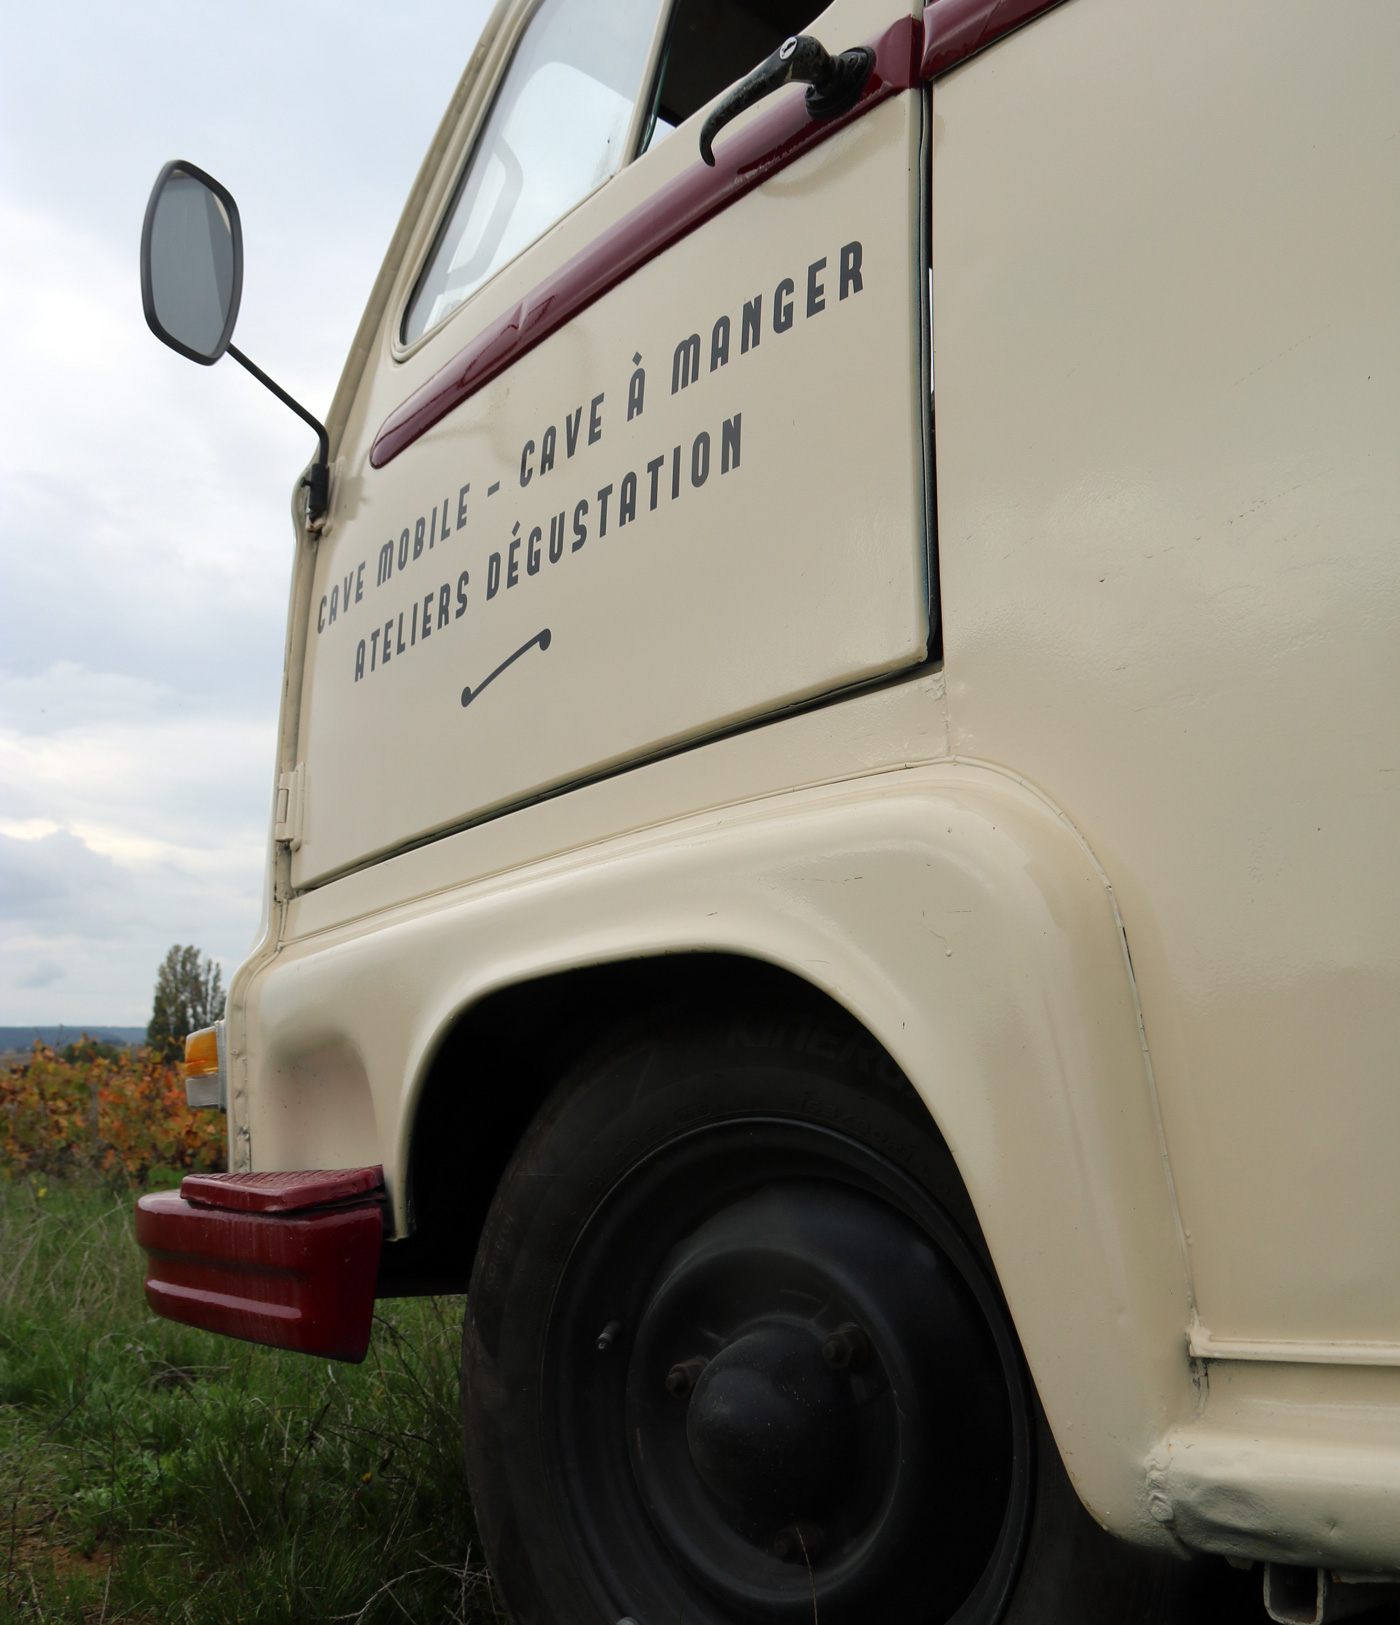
<point>150,1472</point>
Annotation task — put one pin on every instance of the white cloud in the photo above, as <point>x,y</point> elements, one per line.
<point>145,543</point>
<point>131,823</point>
<point>44,974</point>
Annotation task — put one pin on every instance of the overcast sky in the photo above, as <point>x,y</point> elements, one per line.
<point>145,542</point>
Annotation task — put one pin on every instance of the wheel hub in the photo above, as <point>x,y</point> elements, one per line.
<point>769,1425</point>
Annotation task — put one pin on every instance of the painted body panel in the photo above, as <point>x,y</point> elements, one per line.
<point>1288,1463</point>
<point>1168,372</point>
<point>637,511</point>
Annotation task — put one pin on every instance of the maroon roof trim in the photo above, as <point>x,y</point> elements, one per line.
<point>908,52</point>
<point>743,161</point>
<point>954,30</point>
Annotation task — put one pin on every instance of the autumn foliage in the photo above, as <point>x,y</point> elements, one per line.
<point>116,1115</point>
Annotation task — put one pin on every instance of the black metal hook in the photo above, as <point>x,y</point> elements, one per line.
<point>834,84</point>
<point>318,476</point>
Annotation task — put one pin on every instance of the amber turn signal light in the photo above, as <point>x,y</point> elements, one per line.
<point>202,1054</point>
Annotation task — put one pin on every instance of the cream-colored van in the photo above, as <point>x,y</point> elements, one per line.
<point>837,846</point>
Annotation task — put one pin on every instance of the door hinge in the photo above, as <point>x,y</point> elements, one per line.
<point>291,806</point>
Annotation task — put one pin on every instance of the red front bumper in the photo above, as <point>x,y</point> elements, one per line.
<point>264,1258</point>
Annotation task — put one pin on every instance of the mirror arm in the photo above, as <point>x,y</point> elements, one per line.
<point>319,479</point>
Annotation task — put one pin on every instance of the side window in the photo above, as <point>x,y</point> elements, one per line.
<point>710,44</point>
<point>556,132</point>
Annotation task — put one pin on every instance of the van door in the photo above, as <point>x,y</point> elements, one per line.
<point>641,457</point>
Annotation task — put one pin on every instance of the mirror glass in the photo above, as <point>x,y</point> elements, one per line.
<point>191,263</point>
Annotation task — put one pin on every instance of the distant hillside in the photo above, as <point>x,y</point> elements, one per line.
<point>12,1038</point>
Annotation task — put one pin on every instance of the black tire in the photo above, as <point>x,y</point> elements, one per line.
<point>734,1352</point>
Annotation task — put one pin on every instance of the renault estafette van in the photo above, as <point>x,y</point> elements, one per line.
<point>835,854</point>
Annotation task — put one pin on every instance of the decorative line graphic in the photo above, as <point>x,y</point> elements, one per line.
<point>469,693</point>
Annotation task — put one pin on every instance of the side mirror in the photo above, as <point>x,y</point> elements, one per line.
<point>191,262</point>
<point>191,282</point>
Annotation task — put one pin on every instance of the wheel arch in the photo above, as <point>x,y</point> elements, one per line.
<point>569,1011</point>
<point>950,911</point>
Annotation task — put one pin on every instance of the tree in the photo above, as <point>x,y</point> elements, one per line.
<point>189,995</point>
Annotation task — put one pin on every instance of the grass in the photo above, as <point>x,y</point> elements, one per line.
<point>150,1472</point>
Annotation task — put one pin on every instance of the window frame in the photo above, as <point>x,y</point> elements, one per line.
<point>513,18</point>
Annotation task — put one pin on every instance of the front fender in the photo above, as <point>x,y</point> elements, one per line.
<point>955,914</point>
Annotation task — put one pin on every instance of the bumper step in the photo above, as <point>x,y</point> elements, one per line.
<point>286,1259</point>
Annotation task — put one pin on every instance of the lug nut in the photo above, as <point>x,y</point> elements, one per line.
<point>681,1378</point>
<point>847,1349</point>
<point>798,1543</point>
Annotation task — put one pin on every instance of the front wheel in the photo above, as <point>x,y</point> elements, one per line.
<point>733,1352</point>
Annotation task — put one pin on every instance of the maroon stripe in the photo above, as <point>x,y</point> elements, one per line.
<point>905,54</point>
<point>957,29</point>
<point>743,161</point>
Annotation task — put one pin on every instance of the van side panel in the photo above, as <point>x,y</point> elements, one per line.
<point>698,502</point>
<point>1167,338</point>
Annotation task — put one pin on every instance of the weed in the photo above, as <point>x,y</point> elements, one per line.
<point>150,1472</point>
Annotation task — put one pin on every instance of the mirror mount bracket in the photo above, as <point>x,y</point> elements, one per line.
<point>318,478</point>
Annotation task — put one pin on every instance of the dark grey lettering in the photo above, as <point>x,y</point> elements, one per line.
<point>752,320</point>
<point>729,442</point>
<point>685,364</point>
<point>851,281</point>
<point>816,291</point>
<point>719,344</point>
<point>782,305</point>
